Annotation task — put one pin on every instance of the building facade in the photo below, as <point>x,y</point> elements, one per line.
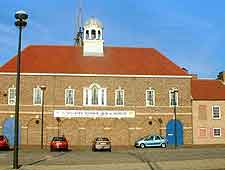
<point>208,111</point>
<point>117,92</point>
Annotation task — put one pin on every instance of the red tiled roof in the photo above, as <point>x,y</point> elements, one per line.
<point>116,60</point>
<point>207,90</point>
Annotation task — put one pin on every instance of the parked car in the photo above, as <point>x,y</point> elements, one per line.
<point>101,143</point>
<point>4,143</point>
<point>151,141</point>
<point>59,143</point>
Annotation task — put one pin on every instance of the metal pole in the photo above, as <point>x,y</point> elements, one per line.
<point>42,118</point>
<point>16,129</point>
<point>175,121</point>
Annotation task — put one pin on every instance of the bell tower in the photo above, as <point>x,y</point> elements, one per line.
<point>93,38</point>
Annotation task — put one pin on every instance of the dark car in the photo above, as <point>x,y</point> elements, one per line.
<point>59,144</point>
<point>101,143</point>
<point>4,144</point>
<point>151,141</point>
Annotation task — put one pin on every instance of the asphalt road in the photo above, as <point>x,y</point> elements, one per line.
<point>143,158</point>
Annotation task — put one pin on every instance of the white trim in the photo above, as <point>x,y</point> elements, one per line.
<point>94,75</point>
<point>24,127</point>
<point>214,133</point>
<point>185,128</point>
<point>65,96</point>
<point>104,106</point>
<point>146,97</point>
<point>81,128</point>
<point>213,113</point>
<point>119,89</point>
<point>163,114</point>
<point>34,95</point>
<point>9,96</point>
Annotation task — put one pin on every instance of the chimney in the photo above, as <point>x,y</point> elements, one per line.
<point>221,76</point>
<point>194,76</point>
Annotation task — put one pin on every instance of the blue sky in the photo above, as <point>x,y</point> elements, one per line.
<point>191,33</point>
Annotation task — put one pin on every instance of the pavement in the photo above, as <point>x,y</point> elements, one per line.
<point>119,159</point>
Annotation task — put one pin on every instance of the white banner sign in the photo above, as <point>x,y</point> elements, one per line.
<point>94,113</point>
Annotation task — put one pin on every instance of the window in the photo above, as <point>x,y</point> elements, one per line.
<point>94,96</point>
<point>119,97</point>
<point>217,132</point>
<point>69,96</point>
<point>173,97</point>
<point>12,96</point>
<point>202,112</point>
<point>150,97</point>
<point>99,34</point>
<point>93,34</point>
<point>202,132</point>
<point>87,35</point>
<point>37,96</point>
<point>216,112</point>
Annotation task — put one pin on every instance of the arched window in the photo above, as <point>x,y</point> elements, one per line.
<point>93,34</point>
<point>99,34</point>
<point>119,97</point>
<point>94,95</point>
<point>150,97</point>
<point>87,34</point>
<point>173,97</point>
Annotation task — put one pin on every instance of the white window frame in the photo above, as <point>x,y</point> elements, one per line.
<point>34,96</point>
<point>73,96</point>
<point>146,97</point>
<point>216,136</point>
<point>170,97</point>
<point>116,95</point>
<point>216,118</point>
<point>87,95</point>
<point>11,100</point>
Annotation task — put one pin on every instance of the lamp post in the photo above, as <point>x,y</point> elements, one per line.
<point>175,116</point>
<point>43,88</point>
<point>21,22</point>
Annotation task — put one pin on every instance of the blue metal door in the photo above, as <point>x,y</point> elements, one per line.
<point>170,132</point>
<point>8,130</point>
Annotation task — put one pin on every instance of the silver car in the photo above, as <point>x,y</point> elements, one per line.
<point>151,141</point>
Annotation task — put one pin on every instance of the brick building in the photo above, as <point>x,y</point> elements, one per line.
<point>208,107</point>
<point>118,92</point>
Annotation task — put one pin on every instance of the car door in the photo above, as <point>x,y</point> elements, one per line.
<point>149,141</point>
<point>157,141</point>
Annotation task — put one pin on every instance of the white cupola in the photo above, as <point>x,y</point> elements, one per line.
<point>93,38</point>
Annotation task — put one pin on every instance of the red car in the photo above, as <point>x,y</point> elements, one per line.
<point>4,144</point>
<point>59,143</point>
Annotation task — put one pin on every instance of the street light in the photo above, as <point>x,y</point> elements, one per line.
<point>21,22</point>
<point>174,92</point>
<point>43,88</point>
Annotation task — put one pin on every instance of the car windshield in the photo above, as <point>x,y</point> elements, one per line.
<point>58,139</point>
<point>102,139</point>
<point>143,138</point>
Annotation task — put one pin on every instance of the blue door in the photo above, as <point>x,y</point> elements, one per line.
<point>170,131</point>
<point>8,130</point>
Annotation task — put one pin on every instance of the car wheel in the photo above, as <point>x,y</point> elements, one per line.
<point>163,145</point>
<point>142,145</point>
<point>110,150</point>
